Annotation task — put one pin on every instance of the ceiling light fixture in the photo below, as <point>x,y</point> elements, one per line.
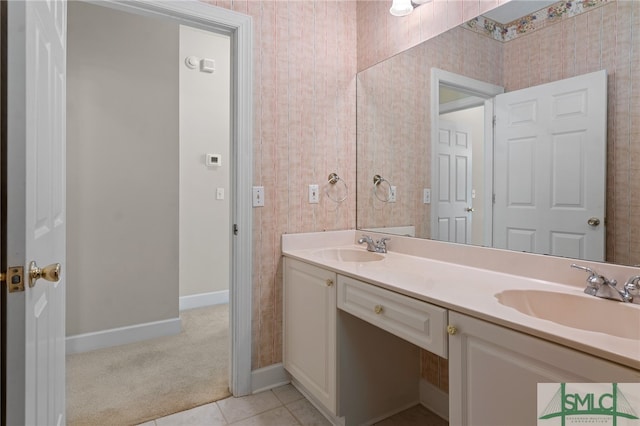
<point>405,7</point>
<point>401,7</point>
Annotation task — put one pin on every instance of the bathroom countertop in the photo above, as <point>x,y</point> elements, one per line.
<point>468,290</point>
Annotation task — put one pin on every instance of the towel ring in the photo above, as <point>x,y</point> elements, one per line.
<point>377,181</point>
<point>333,180</point>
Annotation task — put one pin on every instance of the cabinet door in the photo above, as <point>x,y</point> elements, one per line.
<point>310,329</point>
<point>494,372</point>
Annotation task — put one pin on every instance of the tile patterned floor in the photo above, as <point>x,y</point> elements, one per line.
<point>282,406</point>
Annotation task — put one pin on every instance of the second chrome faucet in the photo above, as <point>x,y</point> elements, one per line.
<point>600,286</point>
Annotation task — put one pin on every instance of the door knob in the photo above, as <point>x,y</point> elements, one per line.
<point>593,221</point>
<point>469,209</point>
<point>49,273</point>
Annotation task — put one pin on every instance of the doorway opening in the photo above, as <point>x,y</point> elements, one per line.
<point>131,174</point>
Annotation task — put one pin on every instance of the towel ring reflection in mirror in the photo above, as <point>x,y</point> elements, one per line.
<point>333,180</point>
<point>377,183</point>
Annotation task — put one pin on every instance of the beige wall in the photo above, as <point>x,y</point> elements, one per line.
<point>576,46</point>
<point>205,230</point>
<point>122,192</point>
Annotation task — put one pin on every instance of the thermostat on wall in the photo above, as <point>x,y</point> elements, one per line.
<point>214,160</point>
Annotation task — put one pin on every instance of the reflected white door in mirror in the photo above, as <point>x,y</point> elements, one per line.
<point>549,175</point>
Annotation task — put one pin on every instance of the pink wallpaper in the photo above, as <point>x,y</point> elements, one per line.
<point>306,57</point>
<point>381,35</point>
<point>394,122</point>
<point>304,129</point>
<point>609,38</point>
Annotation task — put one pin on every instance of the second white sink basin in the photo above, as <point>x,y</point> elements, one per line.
<point>577,311</point>
<point>344,254</point>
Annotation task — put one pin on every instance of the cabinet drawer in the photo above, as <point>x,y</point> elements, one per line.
<point>416,321</point>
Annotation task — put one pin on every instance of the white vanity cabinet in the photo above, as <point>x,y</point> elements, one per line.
<point>309,324</point>
<point>357,373</point>
<point>494,371</point>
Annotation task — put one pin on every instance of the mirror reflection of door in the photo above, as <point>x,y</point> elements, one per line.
<point>549,175</point>
<point>462,179</point>
<point>454,202</point>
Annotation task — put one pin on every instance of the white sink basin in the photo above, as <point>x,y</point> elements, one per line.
<point>577,311</point>
<point>349,255</point>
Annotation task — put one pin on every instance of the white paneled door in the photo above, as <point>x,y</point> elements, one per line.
<point>454,183</point>
<point>550,168</point>
<point>36,151</point>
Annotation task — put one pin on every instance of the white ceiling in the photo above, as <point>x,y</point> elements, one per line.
<point>515,9</point>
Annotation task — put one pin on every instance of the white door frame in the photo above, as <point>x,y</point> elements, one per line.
<point>239,29</point>
<point>478,88</point>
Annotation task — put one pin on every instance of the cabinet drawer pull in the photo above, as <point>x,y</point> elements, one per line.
<point>378,309</point>
<point>451,329</point>
<point>329,282</point>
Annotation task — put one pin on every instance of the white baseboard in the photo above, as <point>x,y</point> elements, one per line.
<point>204,299</point>
<point>269,377</point>
<point>123,335</point>
<point>435,399</point>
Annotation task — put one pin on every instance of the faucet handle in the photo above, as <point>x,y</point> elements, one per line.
<point>384,240</point>
<point>632,286</point>
<point>594,281</point>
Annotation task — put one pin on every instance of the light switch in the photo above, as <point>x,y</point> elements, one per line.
<point>220,194</point>
<point>314,198</point>
<point>258,196</point>
<point>426,196</point>
<point>392,194</point>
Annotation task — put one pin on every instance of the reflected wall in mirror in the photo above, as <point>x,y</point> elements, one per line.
<point>394,112</point>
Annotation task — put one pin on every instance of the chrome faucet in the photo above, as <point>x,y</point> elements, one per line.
<point>379,246</point>
<point>600,286</point>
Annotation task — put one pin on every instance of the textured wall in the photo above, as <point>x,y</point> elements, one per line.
<point>304,129</point>
<point>381,35</point>
<point>609,38</point>
<point>394,122</point>
<point>305,57</point>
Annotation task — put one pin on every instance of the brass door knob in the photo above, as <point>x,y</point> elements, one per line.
<point>48,273</point>
<point>329,282</point>
<point>593,221</point>
<point>378,309</point>
<point>451,329</point>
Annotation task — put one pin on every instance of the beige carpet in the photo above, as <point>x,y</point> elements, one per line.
<point>134,383</point>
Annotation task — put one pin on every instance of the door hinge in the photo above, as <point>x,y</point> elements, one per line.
<point>493,198</point>
<point>494,121</point>
<point>235,229</point>
<point>14,278</point>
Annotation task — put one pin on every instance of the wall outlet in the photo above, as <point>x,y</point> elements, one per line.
<point>258,196</point>
<point>392,194</point>
<point>314,197</point>
<point>426,195</point>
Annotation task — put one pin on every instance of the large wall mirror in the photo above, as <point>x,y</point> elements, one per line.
<point>519,129</point>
